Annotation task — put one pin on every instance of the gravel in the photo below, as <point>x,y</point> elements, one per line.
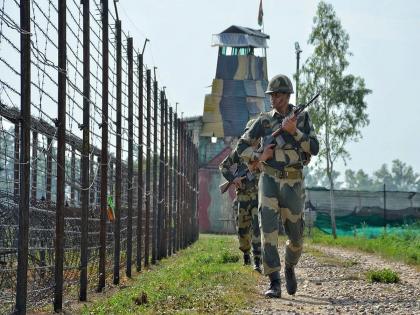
<point>333,281</point>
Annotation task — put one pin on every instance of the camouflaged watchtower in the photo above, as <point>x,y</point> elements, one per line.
<point>237,93</point>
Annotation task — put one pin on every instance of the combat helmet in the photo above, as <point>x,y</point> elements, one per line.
<point>281,84</point>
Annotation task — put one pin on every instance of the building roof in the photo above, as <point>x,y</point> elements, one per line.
<point>240,36</point>
<point>235,29</point>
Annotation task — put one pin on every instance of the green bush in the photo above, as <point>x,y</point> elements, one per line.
<point>228,257</point>
<point>383,276</point>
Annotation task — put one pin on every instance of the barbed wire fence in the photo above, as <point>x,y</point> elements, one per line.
<point>98,174</point>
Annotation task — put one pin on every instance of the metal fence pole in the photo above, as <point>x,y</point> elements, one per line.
<point>118,159</point>
<point>176,183</point>
<point>171,185</point>
<point>104,147</point>
<point>73,175</point>
<point>61,157</point>
<point>34,165</point>
<point>140,165</point>
<point>49,168</point>
<point>184,185</point>
<point>130,157</point>
<point>161,198</point>
<point>24,158</point>
<point>148,157</point>
<point>179,185</point>
<point>16,162</point>
<point>91,178</point>
<point>197,185</point>
<point>86,172</point>
<point>166,186</point>
<point>155,179</point>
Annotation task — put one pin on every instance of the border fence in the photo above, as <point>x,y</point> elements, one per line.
<point>98,174</point>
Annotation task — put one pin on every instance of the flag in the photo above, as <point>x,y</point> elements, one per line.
<point>260,14</point>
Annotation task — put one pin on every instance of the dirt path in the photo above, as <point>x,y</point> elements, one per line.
<point>332,281</point>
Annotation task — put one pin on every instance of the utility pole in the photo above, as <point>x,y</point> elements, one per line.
<point>298,51</point>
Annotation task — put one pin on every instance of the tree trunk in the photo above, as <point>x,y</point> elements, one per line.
<point>329,174</point>
<point>332,205</point>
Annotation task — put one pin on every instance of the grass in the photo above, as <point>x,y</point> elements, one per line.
<point>403,247</point>
<point>383,276</point>
<point>208,277</point>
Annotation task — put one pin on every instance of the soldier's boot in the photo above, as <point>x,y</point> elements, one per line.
<point>274,291</point>
<point>289,274</point>
<point>247,259</point>
<point>257,264</point>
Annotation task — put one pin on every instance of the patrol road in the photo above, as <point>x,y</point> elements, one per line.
<point>332,280</point>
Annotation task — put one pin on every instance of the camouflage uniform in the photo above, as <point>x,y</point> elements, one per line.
<point>281,186</point>
<point>247,198</point>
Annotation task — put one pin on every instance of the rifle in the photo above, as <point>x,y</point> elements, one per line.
<point>271,139</point>
<point>240,172</point>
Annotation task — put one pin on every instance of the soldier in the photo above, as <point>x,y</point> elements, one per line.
<point>247,199</point>
<point>281,188</point>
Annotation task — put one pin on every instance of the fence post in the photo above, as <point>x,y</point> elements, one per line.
<point>91,178</point>
<point>140,165</point>
<point>176,181</point>
<point>49,168</point>
<point>155,179</point>
<point>86,171</point>
<point>16,162</point>
<point>73,175</point>
<point>160,198</point>
<point>179,185</point>
<point>184,185</point>
<point>61,157</point>
<point>24,158</point>
<point>130,157</point>
<point>170,183</point>
<point>160,205</point>
<point>148,192</point>
<point>104,147</point>
<point>34,164</point>
<point>118,159</point>
<point>166,186</point>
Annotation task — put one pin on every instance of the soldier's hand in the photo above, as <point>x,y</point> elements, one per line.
<point>238,182</point>
<point>290,125</point>
<point>268,153</point>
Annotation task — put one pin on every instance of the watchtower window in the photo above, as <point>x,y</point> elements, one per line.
<point>236,51</point>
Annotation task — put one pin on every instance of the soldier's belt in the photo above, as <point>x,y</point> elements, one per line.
<point>282,174</point>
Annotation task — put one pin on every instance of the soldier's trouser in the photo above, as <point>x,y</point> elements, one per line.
<point>284,197</point>
<point>248,226</point>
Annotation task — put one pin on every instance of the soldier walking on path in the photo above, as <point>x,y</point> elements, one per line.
<point>281,187</point>
<point>247,199</point>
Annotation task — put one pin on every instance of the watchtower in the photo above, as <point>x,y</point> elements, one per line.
<point>237,93</point>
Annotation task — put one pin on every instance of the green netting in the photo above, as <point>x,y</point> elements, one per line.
<point>363,212</point>
<point>368,226</point>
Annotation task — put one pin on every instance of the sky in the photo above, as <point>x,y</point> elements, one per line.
<point>384,41</point>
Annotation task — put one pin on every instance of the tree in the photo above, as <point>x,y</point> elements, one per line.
<point>341,109</point>
<point>316,177</point>
<point>358,180</point>
<point>401,177</point>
